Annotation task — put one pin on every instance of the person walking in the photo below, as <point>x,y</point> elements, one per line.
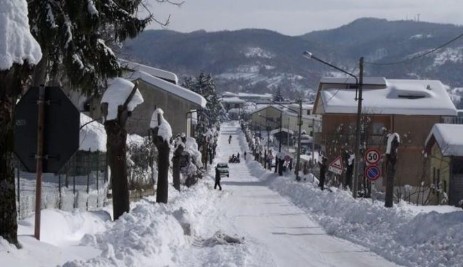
<point>244,155</point>
<point>322,166</point>
<point>229,139</point>
<point>217,179</point>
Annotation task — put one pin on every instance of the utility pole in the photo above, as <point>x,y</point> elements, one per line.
<point>359,83</point>
<point>357,132</point>
<point>298,152</point>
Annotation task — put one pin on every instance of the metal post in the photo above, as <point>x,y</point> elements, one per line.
<point>19,191</point>
<point>287,139</point>
<point>74,191</point>
<point>268,149</point>
<point>313,140</point>
<point>281,128</point>
<point>298,157</point>
<point>88,187</point>
<point>357,132</point>
<point>59,192</point>
<point>39,160</point>
<point>97,177</point>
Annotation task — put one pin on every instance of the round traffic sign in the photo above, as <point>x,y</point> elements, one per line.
<point>372,172</point>
<point>372,156</point>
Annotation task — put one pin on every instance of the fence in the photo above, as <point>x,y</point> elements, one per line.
<point>82,184</point>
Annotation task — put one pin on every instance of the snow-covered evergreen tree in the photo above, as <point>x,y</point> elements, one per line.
<point>277,97</point>
<point>209,116</point>
<point>74,37</point>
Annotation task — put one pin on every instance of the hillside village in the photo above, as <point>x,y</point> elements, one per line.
<point>150,143</point>
<point>428,172</point>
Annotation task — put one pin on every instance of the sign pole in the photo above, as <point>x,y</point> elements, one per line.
<point>39,159</point>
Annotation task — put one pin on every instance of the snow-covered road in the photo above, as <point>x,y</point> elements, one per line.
<point>280,233</point>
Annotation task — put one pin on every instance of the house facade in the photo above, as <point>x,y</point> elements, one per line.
<point>444,149</point>
<point>179,105</point>
<point>407,107</point>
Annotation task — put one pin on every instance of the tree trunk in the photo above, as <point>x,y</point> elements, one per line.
<point>176,167</point>
<point>117,154</point>
<point>163,169</point>
<point>10,88</point>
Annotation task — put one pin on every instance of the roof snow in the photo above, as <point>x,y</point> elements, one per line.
<point>163,74</point>
<point>405,97</point>
<point>448,137</point>
<point>169,87</point>
<point>17,43</point>
<point>232,100</point>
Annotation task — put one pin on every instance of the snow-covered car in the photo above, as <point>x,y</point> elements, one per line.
<point>223,169</point>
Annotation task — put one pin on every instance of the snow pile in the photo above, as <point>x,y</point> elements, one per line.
<point>17,44</point>
<point>117,93</point>
<point>152,234</point>
<point>92,136</point>
<point>164,129</point>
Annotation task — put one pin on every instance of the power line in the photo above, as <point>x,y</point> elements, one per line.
<point>419,55</point>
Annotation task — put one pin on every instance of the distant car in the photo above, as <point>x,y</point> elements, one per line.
<point>223,169</point>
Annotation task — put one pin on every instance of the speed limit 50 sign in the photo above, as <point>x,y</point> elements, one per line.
<point>372,156</point>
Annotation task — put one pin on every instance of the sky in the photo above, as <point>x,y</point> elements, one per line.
<point>296,17</point>
<point>258,219</point>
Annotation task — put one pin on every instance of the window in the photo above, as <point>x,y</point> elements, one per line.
<point>377,128</point>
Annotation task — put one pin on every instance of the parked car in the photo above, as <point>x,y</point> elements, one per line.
<point>222,167</point>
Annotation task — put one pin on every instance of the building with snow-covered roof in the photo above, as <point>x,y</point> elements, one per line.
<point>282,122</point>
<point>256,98</point>
<point>159,90</point>
<point>249,97</point>
<point>232,103</point>
<point>444,149</point>
<point>178,103</point>
<point>408,107</point>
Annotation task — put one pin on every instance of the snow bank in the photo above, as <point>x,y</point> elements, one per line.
<point>399,234</point>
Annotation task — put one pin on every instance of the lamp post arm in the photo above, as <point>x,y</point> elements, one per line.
<point>310,56</point>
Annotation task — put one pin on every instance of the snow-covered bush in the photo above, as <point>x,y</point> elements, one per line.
<point>141,157</point>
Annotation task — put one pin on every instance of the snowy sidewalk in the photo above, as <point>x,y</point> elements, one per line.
<point>273,227</point>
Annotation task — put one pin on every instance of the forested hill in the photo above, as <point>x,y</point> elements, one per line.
<point>256,60</point>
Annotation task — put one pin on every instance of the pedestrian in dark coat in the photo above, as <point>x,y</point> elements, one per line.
<point>322,166</point>
<point>217,179</point>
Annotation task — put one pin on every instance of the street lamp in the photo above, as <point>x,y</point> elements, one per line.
<point>359,83</point>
